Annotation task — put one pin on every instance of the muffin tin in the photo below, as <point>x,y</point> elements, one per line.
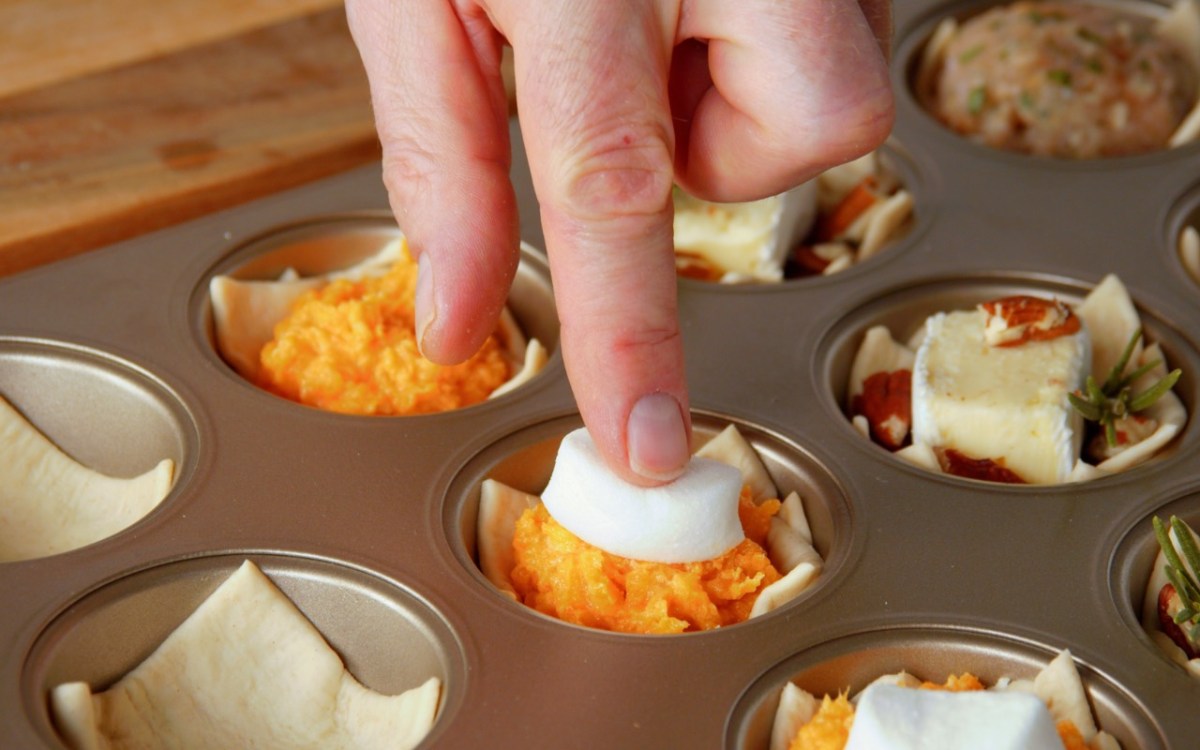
<point>368,523</point>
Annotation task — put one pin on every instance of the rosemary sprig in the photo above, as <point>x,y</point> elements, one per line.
<point>1185,578</point>
<point>1105,404</point>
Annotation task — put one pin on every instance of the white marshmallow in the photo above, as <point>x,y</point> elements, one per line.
<point>889,717</point>
<point>691,519</point>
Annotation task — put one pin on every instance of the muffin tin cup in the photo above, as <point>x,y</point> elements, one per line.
<point>387,638</point>
<point>525,459</point>
<point>852,662</point>
<point>375,515</point>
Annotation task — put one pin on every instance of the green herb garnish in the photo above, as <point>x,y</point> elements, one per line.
<point>971,54</point>
<point>1095,66</point>
<point>1026,99</point>
<point>976,99</point>
<point>1059,76</point>
<point>1088,35</point>
<point>1107,403</point>
<point>1183,573</point>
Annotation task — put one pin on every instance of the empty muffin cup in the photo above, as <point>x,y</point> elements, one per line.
<point>92,445</point>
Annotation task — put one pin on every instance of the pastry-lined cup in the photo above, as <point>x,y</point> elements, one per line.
<point>923,52</point>
<point>1132,570</point>
<point>904,312</point>
<point>239,320</point>
<point>928,653</point>
<point>387,638</point>
<point>1183,236</point>
<point>841,218</point>
<point>103,416</point>
<point>524,460</point>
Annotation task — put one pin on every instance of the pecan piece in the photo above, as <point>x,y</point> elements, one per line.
<point>886,402</point>
<point>986,469</point>
<point>1011,321</point>
<point>1168,605</point>
<point>695,266</point>
<point>806,262</point>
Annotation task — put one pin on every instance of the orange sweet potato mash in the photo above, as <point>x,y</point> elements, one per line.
<point>350,347</point>
<point>829,728</point>
<point>559,574</point>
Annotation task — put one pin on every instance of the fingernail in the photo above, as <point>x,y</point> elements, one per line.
<point>656,438</point>
<point>423,308</point>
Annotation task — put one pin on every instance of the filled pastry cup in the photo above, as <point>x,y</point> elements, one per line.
<point>773,708</point>
<point>1183,235</point>
<point>1065,80</point>
<point>946,380</point>
<point>1145,590</point>
<point>844,216</point>
<point>89,446</point>
<point>806,538</point>
<point>321,313</point>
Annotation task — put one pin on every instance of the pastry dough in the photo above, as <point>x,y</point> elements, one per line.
<point>49,503</point>
<point>246,669</point>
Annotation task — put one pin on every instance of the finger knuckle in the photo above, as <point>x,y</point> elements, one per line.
<point>625,171</point>
<point>409,167</point>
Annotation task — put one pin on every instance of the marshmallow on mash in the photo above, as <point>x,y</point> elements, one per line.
<point>890,717</point>
<point>789,542</point>
<point>896,712</point>
<point>693,518</point>
<point>982,390</point>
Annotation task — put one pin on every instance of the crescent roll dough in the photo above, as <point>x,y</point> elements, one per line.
<point>246,669</point>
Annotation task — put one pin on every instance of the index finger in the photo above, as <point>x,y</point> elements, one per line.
<point>592,82</point>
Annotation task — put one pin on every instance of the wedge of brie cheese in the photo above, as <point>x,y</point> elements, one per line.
<point>890,717</point>
<point>1000,402</point>
<point>744,241</point>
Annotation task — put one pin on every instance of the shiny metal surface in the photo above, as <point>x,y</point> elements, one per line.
<point>369,521</point>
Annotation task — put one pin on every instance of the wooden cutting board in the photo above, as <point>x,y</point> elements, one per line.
<point>121,117</point>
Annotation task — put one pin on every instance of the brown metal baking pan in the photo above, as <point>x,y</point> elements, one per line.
<point>368,523</point>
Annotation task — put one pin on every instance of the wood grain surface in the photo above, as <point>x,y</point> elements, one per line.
<point>94,158</point>
<point>43,42</point>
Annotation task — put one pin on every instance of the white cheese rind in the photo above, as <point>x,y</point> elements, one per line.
<point>996,402</point>
<point>749,241</point>
<point>889,717</point>
<point>691,519</point>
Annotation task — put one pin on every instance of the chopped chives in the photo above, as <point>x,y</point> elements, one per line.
<point>976,99</point>
<point>1059,76</point>
<point>971,54</point>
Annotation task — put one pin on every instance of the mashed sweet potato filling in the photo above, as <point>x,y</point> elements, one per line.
<point>560,575</point>
<point>350,346</point>
<point>829,728</point>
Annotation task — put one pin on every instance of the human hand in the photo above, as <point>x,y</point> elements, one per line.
<point>619,99</point>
